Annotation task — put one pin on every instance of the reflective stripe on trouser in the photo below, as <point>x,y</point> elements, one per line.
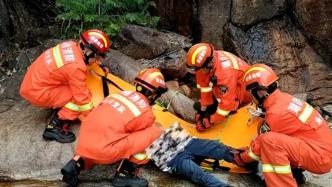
<point>277,152</point>
<point>79,108</point>
<point>222,112</point>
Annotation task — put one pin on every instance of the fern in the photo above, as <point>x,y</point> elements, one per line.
<point>107,15</point>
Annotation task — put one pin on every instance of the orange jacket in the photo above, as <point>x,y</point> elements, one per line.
<point>290,116</point>
<point>203,84</point>
<point>121,126</point>
<point>228,70</point>
<point>59,67</point>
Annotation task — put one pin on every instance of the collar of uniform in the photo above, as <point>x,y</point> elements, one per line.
<point>271,99</point>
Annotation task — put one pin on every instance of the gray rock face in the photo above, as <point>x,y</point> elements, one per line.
<point>212,16</point>
<point>279,44</point>
<point>315,18</point>
<point>141,42</point>
<point>248,12</point>
<point>172,65</point>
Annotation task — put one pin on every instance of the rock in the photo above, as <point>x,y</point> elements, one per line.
<point>327,109</point>
<point>175,15</point>
<point>212,16</point>
<point>279,44</point>
<point>185,90</point>
<point>26,57</point>
<point>172,65</point>
<point>123,66</point>
<point>141,42</point>
<point>173,85</point>
<point>126,68</point>
<point>315,18</point>
<point>259,10</point>
<point>180,104</point>
<point>302,96</point>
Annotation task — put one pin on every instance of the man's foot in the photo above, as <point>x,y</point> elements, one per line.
<point>70,173</point>
<point>58,135</point>
<point>58,130</point>
<point>298,175</point>
<point>129,181</point>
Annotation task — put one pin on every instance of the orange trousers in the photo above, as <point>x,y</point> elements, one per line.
<point>278,151</point>
<point>57,97</point>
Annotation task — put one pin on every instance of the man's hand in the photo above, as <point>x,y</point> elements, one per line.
<point>203,124</point>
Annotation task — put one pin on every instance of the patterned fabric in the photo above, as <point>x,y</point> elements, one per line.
<point>168,145</point>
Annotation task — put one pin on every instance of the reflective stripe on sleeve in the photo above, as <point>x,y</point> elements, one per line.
<point>86,107</point>
<point>222,112</point>
<point>205,89</point>
<point>252,155</point>
<point>78,108</point>
<point>140,156</point>
<point>269,168</point>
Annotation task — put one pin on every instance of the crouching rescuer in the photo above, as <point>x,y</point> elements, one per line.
<point>294,136</point>
<point>57,80</point>
<point>121,126</point>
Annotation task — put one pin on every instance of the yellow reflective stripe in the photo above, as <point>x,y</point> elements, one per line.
<point>198,86</point>
<point>195,54</point>
<point>205,89</point>
<point>155,74</point>
<point>72,106</point>
<point>133,108</point>
<point>86,107</point>
<point>57,56</point>
<point>268,168</point>
<point>306,113</point>
<point>222,112</point>
<point>77,108</point>
<point>140,156</point>
<point>253,69</point>
<point>100,35</point>
<point>252,155</point>
<point>233,59</point>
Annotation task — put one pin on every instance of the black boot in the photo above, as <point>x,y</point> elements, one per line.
<point>126,176</point>
<point>58,130</point>
<point>71,171</point>
<point>298,175</point>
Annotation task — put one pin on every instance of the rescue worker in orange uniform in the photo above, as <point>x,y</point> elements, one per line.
<point>57,80</point>
<point>293,136</point>
<point>219,77</point>
<point>121,126</point>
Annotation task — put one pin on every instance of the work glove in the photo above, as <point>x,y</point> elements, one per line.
<point>203,124</point>
<point>238,160</point>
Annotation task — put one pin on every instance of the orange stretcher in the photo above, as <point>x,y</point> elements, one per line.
<point>235,132</point>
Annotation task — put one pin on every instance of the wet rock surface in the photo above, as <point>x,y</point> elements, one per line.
<point>285,49</point>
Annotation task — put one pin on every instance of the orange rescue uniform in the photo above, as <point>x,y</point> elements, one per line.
<point>57,78</point>
<point>228,70</point>
<point>294,135</point>
<point>121,126</point>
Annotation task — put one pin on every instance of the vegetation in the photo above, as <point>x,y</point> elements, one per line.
<point>107,15</point>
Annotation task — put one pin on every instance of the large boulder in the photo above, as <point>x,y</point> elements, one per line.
<point>279,44</point>
<point>175,15</point>
<point>127,69</point>
<point>172,65</point>
<point>315,18</point>
<point>249,12</point>
<point>212,16</point>
<point>142,42</point>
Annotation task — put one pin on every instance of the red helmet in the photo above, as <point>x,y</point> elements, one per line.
<point>152,80</point>
<point>198,54</point>
<point>96,40</point>
<point>259,76</point>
